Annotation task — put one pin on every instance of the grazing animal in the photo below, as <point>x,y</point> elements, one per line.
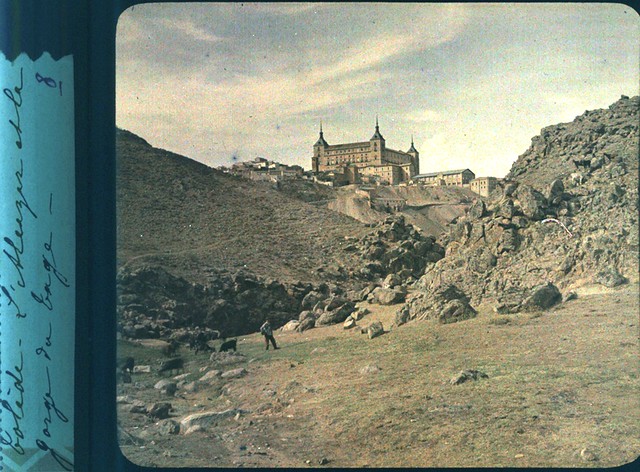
<point>170,365</point>
<point>228,345</point>
<point>126,365</point>
<point>199,342</point>
<point>582,163</point>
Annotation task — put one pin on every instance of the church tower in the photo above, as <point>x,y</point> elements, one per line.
<point>415,158</point>
<point>377,144</point>
<point>318,151</point>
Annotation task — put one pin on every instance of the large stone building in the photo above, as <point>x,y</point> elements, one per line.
<point>460,178</point>
<point>365,161</point>
<point>484,185</point>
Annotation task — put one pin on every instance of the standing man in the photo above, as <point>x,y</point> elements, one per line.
<point>267,332</point>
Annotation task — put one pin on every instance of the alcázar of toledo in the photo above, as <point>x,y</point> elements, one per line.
<point>373,162</point>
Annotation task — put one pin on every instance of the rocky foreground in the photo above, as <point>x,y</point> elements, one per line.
<point>153,303</point>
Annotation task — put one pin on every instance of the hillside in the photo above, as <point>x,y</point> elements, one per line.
<point>550,223</point>
<point>597,136</point>
<point>182,215</point>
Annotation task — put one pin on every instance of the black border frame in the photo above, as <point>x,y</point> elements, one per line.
<point>86,29</point>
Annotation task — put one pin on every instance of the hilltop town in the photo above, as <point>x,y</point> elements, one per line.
<point>366,164</point>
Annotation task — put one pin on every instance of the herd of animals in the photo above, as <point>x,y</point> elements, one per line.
<point>196,343</point>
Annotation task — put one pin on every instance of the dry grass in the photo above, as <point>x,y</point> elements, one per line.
<point>560,382</point>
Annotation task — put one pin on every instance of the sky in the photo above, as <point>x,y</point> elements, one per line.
<point>471,83</point>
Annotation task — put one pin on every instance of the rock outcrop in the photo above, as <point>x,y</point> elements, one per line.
<point>543,231</point>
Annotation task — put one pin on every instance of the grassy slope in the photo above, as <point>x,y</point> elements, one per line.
<point>559,382</point>
<point>186,216</point>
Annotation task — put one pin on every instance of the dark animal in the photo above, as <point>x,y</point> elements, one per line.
<point>228,345</point>
<point>199,342</point>
<point>126,365</point>
<point>170,365</point>
<point>582,163</point>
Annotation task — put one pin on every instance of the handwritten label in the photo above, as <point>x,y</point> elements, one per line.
<point>37,264</point>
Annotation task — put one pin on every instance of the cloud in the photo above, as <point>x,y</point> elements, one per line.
<point>188,28</point>
<point>383,45</point>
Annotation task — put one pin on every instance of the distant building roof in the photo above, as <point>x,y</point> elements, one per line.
<point>445,172</point>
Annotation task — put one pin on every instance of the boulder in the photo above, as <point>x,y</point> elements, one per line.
<point>388,296</point>
<point>456,310</point>
<point>430,304</point>
<point>477,232</point>
<point>531,202</point>
<point>506,209</point>
<point>159,410</point>
<point>609,277</point>
<point>391,281</point>
<point>422,247</point>
<point>556,189</point>
<point>166,386</point>
<point>307,314</point>
<point>509,241</point>
<point>349,323</point>
<point>364,293</point>
<point>333,302</point>
<point>306,324</point>
<point>290,326</point>
<point>167,427</point>
<point>138,406</point>
<point>509,188</point>
<point>477,210</point>
<point>207,418</point>
<point>402,316</point>
<point>311,299</point>
<point>359,313</point>
<point>542,297</point>
<point>211,375</point>
<point>234,373</point>
<point>336,316</point>
<point>482,260</point>
<point>375,329</point>
<point>226,358</point>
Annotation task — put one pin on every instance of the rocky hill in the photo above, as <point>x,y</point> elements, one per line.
<point>552,227</point>
<point>597,136</point>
